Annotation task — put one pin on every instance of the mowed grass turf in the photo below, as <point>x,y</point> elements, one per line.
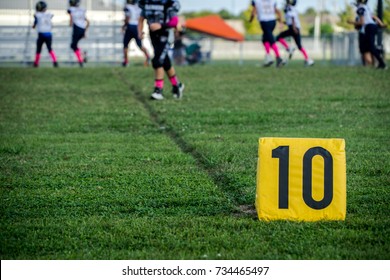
<point>92,169</point>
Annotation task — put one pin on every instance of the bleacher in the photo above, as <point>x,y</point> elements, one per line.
<point>95,5</point>
<point>103,42</point>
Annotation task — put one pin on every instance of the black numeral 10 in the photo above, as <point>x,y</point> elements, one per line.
<point>283,154</point>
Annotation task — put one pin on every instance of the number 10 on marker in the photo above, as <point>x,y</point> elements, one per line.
<point>301,179</point>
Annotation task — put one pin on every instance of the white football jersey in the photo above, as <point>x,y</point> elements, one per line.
<point>265,9</point>
<point>78,15</point>
<point>133,12</point>
<point>43,22</point>
<point>292,14</point>
<point>364,11</point>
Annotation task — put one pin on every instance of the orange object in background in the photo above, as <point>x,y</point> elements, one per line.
<point>214,25</point>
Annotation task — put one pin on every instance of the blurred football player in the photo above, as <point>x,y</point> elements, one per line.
<point>294,25</point>
<point>266,12</point>
<point>43,24</point>
<point>80,24</point>
<point>369,23</point>
<point>130,28</point>
<point>366,56</point>
<point>161,16</point>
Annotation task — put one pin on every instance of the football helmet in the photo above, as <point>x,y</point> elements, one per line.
<point>291,2</point>
<point>74,3</point>
<point>362,1</point>
<point>40,6</point>
<point>132,2</point>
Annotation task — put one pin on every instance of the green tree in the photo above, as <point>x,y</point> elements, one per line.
<point>251,28</point>
<point>225,14</point>
<point>348,14</point>
<point>198,14</point>
<point>386,14</point>
<point>326,29</point>
<point>310,12</point>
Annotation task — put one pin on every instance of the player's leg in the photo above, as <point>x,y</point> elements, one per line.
<point>48,41</point>
<point>160,51</point>
<point>177,86</point>
<point>140,46</point>
<point>147,56</point>
<point>364,49</point>
<point>40,42</point>
<point>268,33</point>
<point>125,57</point>
<point>371,31</point>
<point>368,59</point>
<point>126,41</point>
<point>158,84</point>
<point>78,34</point>
<point>268,61</point>
<point>298,42</point>
<point>281,39</point>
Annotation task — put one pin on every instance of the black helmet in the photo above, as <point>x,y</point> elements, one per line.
<point>133,2</point>
<point>41,6</point>
<point>74,3</point>
<point>291,2</point>
<point>361,2</point>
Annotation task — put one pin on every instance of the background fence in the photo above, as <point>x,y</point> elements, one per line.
<point>104,37</point>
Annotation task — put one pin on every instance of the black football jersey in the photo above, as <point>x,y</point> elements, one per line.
<point>159,11</point>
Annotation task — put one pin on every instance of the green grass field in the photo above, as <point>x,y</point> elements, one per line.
<point>92,169</point>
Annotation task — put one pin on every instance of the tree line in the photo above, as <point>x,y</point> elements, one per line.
<point>307,19</point>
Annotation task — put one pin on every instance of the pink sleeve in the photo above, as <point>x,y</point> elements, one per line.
<point>173,22</point>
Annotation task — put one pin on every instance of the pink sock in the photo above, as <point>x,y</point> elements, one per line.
<point>267,47</point>
<point>53,56</point>
<point>276,50</point>
<point>303,51</point>
<point>283,42</point>
<point>37,58</point>
<point>174,80</point>
<point>159,83</point>
<point>78,54</point>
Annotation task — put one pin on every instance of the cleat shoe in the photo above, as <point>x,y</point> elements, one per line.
<point>81,64</point>
<point>157,94</point>
<point>35,65</point>
<point>178,91</point>
<point>124,64</point>
<point>55,64</point>
<point>309,62</point>
<point>268,61</point>
<point>382,67</point>
<point>290,52</point>
<point>280,62</point>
